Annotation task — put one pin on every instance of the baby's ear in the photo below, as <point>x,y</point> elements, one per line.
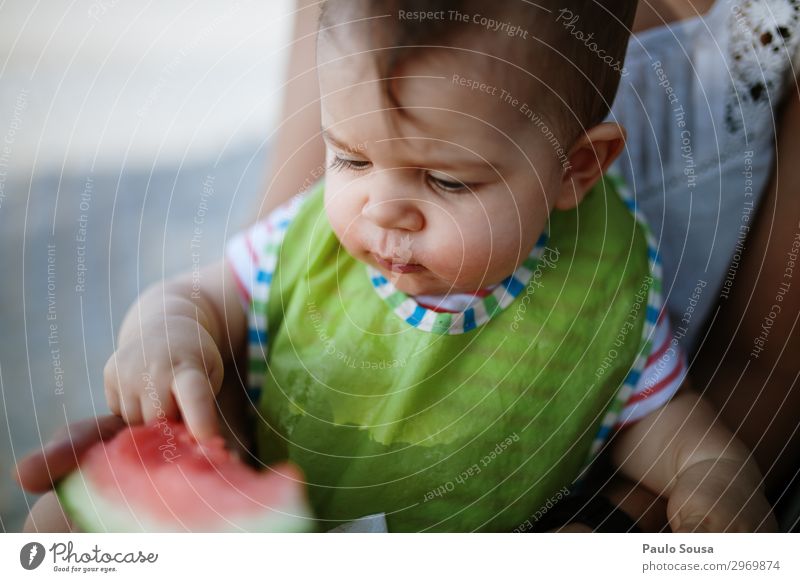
<point>588,159</point>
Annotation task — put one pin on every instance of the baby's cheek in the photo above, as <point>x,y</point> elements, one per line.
<point>467,264</point>
<point>341,213</point>
<point>498,258</point>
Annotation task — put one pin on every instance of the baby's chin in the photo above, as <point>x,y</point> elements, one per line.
<point>411,285</point>
<point>424,283</point>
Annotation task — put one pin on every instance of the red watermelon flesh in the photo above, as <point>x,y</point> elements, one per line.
<point>158,478</point>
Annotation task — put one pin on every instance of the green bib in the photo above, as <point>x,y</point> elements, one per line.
<point>445,431</point>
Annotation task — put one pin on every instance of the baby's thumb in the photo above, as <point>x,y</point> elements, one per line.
<point>194,395</point>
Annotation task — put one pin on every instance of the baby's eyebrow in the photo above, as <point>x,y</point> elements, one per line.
<point>327,136</point>
<point>454,165</point>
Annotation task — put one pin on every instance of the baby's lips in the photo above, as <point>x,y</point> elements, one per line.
<point>398,267</point>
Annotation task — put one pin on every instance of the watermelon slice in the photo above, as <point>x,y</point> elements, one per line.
<point>157,478</point>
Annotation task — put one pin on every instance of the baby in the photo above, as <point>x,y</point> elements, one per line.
<point>452,324</point>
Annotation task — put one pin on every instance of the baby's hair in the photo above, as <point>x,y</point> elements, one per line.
<point>573,49</point>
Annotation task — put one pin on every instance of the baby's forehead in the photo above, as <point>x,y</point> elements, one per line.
<point>433,98</point>
<point>438,89</point>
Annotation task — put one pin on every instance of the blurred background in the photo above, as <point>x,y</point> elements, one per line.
<point>123,125</point>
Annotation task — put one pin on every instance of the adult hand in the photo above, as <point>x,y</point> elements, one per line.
<point>41,469</point>
<point>719,495</point>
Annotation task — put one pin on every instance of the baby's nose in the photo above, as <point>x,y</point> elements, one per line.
<point>394,212</point>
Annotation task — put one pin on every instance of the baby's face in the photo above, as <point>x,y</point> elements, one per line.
<point>450,200</point>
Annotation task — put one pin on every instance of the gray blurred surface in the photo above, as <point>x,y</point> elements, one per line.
<point>114,118</point>
<point>138,229</point>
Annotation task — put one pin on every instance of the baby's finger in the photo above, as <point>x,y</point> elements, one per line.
<point>112,399</point>
<point>131,408</point>
<point>196,401</point>
<point>158,404</point>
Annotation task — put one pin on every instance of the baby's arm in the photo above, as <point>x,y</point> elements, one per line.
<point>683,452</point>
<point>172,346</point>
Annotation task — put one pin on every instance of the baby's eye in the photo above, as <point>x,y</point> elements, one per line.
<point>448,185</point>
<point>346,164</point>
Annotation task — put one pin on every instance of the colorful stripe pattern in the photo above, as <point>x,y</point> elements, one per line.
<point>652,313</point>
<point>253,256</point>
<point>444,322</point>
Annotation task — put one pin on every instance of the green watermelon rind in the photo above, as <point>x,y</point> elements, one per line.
<point>68,495</point>
<point>91,513</point>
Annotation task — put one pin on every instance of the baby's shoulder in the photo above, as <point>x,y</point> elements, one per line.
<point>252,253</point>
<point>606,224</point>
<point>263,238</point>
<point>279,219</point>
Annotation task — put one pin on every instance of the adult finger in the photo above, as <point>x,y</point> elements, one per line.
<point>40,469</point>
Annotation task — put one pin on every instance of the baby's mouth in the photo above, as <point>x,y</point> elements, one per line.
<point>396,266</point>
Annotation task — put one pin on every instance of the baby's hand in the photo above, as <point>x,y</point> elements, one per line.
<point>718,496</point>
<point>172,365</point>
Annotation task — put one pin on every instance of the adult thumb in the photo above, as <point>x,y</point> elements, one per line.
<point>691,525</point>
